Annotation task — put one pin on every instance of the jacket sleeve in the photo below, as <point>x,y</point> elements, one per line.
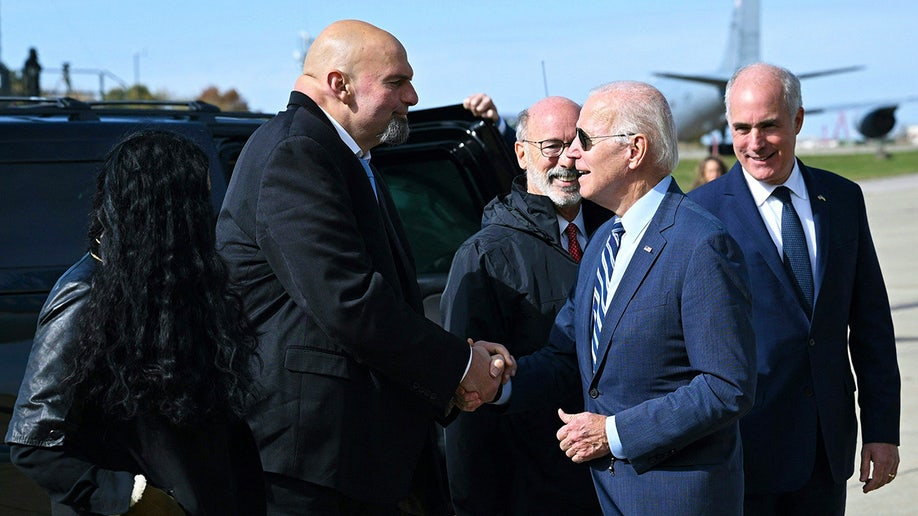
<point>469,307</point>
<point>40,428</point>
<point>74,482</point>
<point>40,415</point>
<point>872,343</point>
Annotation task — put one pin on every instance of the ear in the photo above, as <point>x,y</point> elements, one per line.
<point>339,85</point>
<point>520,149</point>
<point>637,151</point>
<point>798,121</point>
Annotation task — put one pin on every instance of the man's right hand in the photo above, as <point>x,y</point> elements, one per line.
<point>492,365</point>
<point>481,105</point>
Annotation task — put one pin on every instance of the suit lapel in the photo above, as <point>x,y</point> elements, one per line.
<point>398,243</point>
<point>645,256</point>
<point>748,223</point>
<point>819,204</point>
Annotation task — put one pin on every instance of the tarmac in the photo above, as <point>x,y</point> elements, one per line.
<point>892,212</point>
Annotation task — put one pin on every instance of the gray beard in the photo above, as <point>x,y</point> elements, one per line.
<point>396,132</point>
<point>562,199</point>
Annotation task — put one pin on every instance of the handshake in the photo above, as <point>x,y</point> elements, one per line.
<point>492,366</point>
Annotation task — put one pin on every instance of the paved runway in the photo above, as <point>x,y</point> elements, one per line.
<point>892,210</point>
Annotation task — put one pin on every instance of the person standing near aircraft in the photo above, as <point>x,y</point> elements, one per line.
<point>657,332</point>
<point>354,375</point>
<point>819,298</point>
<point>506,284</point>
<point>709,169</point>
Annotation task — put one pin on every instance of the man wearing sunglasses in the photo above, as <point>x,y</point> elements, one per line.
<point>657,330</point>
<point>507,283</point>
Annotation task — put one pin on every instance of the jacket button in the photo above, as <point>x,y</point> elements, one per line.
<point>594,393</point>
<point>812,342</point>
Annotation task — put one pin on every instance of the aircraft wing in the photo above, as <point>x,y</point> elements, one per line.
<point>833,71</point>
<point>718,81</point>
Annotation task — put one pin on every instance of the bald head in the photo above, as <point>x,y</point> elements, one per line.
<point>359,74</point>
<point>347,45</point>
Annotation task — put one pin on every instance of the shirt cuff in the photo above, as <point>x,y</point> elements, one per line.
<point>505,391</point>
<point>615,443</point>
<point>468,365</point>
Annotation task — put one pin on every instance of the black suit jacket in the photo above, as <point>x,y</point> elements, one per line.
<point>804,372</point>
<point>353,373</point>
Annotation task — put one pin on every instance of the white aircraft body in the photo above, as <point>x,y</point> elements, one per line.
<point>697,100</point>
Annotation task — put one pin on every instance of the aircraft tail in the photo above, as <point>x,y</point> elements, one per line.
<point>744,39</point>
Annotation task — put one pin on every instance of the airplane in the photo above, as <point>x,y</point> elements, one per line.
<point>697,100</point>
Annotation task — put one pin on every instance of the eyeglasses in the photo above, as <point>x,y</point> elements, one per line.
<point>586,141</point>
<point>550,148</point>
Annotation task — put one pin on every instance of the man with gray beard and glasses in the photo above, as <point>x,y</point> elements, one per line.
<point>506,284</point>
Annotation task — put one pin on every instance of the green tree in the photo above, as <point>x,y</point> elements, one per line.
<point>135,92</point>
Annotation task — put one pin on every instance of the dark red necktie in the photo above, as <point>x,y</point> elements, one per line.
<point>573,246</point>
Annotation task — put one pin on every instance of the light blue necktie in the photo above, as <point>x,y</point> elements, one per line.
<point>602,295</point>
<point>796,255</point>
<point>366,166</point>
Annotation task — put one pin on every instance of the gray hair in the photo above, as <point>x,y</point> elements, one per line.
<point>641,108</point>
<point>790,86</point>
<point>522,125</point>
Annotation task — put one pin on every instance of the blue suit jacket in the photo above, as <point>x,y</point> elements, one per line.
<point>676,366</point>
<point>804,374</point>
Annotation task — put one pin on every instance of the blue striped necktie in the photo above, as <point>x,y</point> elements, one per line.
<point>602,296</point>
<point>796,255</point>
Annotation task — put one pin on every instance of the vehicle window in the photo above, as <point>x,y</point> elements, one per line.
<point>50,204</point>
<point>436,207</point>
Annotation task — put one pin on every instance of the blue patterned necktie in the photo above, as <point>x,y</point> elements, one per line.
<point>796,255</point>
<point>602,296</point>
<point>366,166</point>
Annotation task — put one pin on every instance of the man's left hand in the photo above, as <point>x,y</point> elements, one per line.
<point>583,436</point>
<point>885,460</point>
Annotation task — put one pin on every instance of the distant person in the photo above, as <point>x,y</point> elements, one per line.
<point>354,375</point>
<point>709,169</point>
<point>139,372</point>
<point>6,83</point>
<point>818,298</point>
<point>656,335</point>
<point>31,72</point>
<point>506,284</point>
<point>65,74</point>
<point>482,106</point>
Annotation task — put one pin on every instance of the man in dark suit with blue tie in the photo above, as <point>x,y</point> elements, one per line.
<point>656,334</point>
<point>353,374</point>
<point>818,298</point>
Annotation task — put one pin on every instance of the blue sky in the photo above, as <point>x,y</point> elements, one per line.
<point>462,47</point>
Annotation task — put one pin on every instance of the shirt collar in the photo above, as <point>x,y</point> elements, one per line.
<point>346,137</point>
<point>578,221</point>
<point>761,190</point>
<point>639,214</point>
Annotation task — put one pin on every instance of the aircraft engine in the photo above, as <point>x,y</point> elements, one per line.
<point>877,122</point>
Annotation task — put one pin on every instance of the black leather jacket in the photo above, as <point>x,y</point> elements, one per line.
<point>87,462</point>
<point>39,417</point>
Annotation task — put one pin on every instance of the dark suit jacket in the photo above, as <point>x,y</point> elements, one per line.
<point>353,373</point>
<point>676,365</point>
<point>803,367</point>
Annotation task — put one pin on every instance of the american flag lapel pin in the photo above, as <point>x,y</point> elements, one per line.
<point>648,249</point>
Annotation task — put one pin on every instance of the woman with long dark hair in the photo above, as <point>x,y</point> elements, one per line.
<point>139,372</point>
